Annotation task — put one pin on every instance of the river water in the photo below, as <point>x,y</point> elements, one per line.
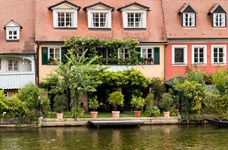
<point>154,137</point>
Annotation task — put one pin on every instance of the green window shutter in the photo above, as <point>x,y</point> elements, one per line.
<point>63,52</point>
<point>156,55</point>
<point>138,49</point>
<point>44,55</point>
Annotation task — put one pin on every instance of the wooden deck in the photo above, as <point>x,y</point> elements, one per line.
<point>129,122</point>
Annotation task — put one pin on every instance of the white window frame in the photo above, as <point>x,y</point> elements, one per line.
<point>122,51</point>
<point>204,54</point>
<point>15,64</point>
<point>187,20</point>
<point>145,55</point>
<point>55,47</point>
<point>221,21</point>
<point>108,22</point>
<point>0,64</point>
<point>224,54</point>
<point>73,18</point>
<point>185,55</point>
<point>12,29</point>
<point>125,18</point>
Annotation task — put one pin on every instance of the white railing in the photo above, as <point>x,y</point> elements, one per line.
<point>16,80</point>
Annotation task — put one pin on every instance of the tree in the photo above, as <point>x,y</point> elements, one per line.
<point>78,75</point>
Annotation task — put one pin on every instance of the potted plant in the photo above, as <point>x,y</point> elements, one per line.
<point>116,98</point>
<point>166,103</point>
<point>150,61</point>
<point>93,104</point>
<point>60,105</point>
<point>137,103</point>
<point>51,61</point>
<point>152,111</point>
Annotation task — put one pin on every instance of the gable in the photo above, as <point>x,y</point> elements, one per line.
<point>216,8</point>
<point>64,5</point>
<point>99,6</point>
<point>12,24</point>
<point>134,6</point>
<point>186,8</point>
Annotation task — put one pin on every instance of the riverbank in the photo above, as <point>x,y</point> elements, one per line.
<point>66,122</point>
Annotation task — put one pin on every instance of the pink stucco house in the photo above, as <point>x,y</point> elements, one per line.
<point>197,36</point>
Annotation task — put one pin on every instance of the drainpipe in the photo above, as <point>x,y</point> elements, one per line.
<point>37,64</point>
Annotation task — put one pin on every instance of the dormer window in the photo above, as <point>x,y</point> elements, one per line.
<point>188,16</point>
<point>134,16</point>
<point>99,16</point>
<point>12,31</point>
<point>218,16</point>
<point>64,15</point>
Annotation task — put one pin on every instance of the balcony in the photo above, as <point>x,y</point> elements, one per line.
<point>16,80</point>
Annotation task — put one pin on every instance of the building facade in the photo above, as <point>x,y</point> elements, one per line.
<point>58,20</point>
<point>197,36</point>
<point>17,45</point>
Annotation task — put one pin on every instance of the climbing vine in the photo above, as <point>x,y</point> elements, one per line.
<point>112,45</point>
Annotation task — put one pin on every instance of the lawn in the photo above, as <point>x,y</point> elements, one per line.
<point>100,115</point>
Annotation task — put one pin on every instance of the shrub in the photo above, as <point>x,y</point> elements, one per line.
<point>60,103</point>
<point>137,103</point>
<point>116,98</point>
<point>152,110</point>
<point>166,101</point>
<point>93,103</point>
<point>77,112</point>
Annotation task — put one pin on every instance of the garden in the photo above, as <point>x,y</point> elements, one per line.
<point>124,93</point>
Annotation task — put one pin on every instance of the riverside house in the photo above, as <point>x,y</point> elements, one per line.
<point>17,44</point>
<point>197,36</point>
<point>58,20</point>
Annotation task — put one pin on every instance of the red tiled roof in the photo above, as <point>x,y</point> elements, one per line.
<point>203,29</point>
<point>153,33</point>
<point>22,12</point>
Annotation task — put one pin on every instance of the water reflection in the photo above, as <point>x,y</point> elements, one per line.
<point>146,137</point>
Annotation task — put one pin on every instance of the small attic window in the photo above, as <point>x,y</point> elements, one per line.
<point>188,16</point>
<point>134,16</point>
<point>12,31</point>
<point>99,16</point>
<point>218,16</point>
<point>65,15</point>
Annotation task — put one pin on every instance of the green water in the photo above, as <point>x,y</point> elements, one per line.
<point>142,138</point>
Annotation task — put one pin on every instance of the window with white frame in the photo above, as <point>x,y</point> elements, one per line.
<point>199,54</point>
<point>54,53</point>
<point>65,15</point>
<point>12,64</point>
<point>146,52</point>
<point>134,19</point>
<point>65,19</point>
<point>219,19</point>
<point>179,55</point>
<point>188,19</point>
<point>123,53</point>
<point>219,54</point>
<point>12,34</point>
<point>99,19</point>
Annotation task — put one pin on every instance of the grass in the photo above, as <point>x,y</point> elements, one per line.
<point>100,115</point>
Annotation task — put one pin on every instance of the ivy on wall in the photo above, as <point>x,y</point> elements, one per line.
<point>112,45</point>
